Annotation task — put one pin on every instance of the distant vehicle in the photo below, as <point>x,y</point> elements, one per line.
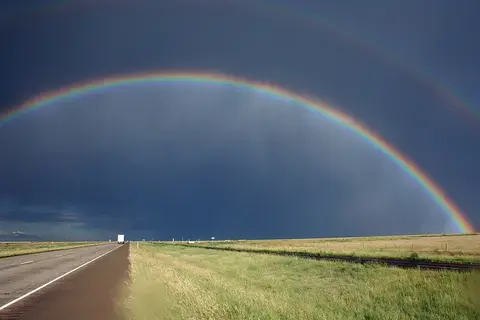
<point>121,239</point>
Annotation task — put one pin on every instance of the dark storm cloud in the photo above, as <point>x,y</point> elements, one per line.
<point>198,160</point>
<point>33,222</point>
<point>35,213</point>
<point>229,167</point>
<point>19,236</point>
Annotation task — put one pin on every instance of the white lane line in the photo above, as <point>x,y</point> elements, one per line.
<point>27,262</point>
<point>60,255</point>
<point>54,280</point>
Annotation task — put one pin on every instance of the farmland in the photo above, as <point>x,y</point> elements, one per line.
<point>177,282</point>
<point>9,249</point>
<point>450,248</point>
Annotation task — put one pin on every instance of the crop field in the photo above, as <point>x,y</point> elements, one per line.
<point>9,249</point>
<point>459,248</point>
<point>176,282</point>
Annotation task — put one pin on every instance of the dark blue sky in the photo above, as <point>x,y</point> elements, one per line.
<point>196,160</point>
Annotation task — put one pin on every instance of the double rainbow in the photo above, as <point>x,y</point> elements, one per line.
<point>434,191</point>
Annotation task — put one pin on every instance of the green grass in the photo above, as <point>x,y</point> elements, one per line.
<point>9,249</point>
<point>449,248</point>
<point>174,282</point>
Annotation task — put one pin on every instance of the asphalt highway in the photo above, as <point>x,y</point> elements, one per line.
<point>21,274</point>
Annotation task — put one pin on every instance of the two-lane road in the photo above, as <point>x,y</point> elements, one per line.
<point>22,274</point>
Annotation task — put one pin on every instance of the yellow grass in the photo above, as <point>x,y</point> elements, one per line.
<point>8,249</point>
<point>174,282</point>
<point>464,248</point>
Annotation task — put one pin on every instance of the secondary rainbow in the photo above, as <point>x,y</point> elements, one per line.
<point>458,218</point>
<point>287,10</point>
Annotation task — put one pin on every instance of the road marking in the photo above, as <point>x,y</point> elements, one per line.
<point>27,262</point>
<point>54,280</point>
<point>60,255</point>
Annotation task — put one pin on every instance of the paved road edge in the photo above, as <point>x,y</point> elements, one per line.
<point>11,303</point>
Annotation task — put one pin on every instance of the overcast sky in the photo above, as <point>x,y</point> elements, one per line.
<point>197,160</point>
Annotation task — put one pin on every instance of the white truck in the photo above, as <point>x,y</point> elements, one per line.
<point>121,239</point>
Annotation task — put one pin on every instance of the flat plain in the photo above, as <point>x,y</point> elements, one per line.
<point>9,249</point>
<point>449,248</point>
<point>177,282</point>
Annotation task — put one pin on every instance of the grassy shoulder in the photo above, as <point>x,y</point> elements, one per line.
<point>10,249</point>
<point>174,282</point>
<point>446,248</point>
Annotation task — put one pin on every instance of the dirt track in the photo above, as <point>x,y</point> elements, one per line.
<point>91,292</point>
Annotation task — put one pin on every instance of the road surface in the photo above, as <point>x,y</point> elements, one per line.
<point>86,293</point>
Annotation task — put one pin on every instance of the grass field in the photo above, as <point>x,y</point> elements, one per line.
<point>9,249</point>
<point>175,282</point>
<point>460,248</point>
